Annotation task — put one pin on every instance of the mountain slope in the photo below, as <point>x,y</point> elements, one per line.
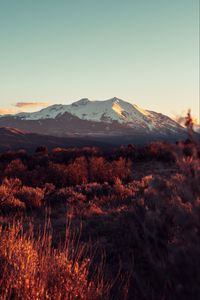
<point>14,139</point>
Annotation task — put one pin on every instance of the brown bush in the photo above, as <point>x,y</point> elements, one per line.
<point>8,200</point>
<point>32,197</point>
<point>15,169</point>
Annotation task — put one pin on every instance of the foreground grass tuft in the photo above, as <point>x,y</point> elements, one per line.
<point>32,269</point>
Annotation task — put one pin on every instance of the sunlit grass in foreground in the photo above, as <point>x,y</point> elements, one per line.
<point>32,269</point>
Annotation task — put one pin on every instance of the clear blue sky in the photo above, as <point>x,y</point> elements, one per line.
<point>59,51</point>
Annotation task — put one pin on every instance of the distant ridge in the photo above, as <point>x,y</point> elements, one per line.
<point>14,139</point>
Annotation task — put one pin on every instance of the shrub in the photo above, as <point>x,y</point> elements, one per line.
<point>15,169</point>
<point>32,197</point>
<point>77,172</point>
<point>8,199</point>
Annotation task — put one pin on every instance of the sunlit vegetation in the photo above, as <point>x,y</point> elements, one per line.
<point>87,224</point>
<point>32,269</point>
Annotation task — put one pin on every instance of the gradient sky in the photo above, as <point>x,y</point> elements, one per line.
<point>58,51</point>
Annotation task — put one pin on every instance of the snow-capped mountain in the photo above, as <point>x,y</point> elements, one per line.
<point>103,111</point>
<point>86,117</point>
<point>98,111</point>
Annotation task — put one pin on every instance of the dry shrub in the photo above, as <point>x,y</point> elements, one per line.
<point>32,269</point>
<point>121,191</point>
<point>122,168</point>
<point>15,169</point>
<point>77,172</point>
<point>99,170</point>
<point>32,197</point>
<point>7,198</point>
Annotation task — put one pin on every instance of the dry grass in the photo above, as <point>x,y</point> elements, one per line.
<point>32,269</point>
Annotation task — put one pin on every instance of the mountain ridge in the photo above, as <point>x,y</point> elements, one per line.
<point>99,117</point>
<point>14,139</point>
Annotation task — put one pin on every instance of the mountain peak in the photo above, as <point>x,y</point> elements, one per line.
<point>115,99</point>
<point>82,101</point>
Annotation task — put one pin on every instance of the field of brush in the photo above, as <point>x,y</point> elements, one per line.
<point>91,224</point>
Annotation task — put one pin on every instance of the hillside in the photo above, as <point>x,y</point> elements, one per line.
<point>15,139</point>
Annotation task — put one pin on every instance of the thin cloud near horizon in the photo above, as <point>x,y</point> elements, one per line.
<point>20,106</point>
<point>31,104</point>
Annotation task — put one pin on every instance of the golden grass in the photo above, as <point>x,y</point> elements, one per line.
<point>30,268</point>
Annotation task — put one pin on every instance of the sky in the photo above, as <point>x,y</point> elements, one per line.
<point>59,51</point>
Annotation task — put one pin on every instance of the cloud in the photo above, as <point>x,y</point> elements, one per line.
<point>7,111</point>
<point>21,106</point>
<point>31,104</point>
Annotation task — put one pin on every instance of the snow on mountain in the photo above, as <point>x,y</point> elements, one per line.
<point>108,111</point>
<point>50,112</point>
<point>104,111</point>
